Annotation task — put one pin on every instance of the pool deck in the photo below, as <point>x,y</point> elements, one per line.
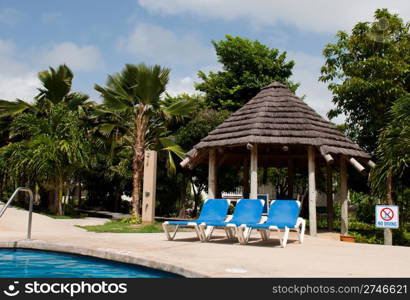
<point>323,256</point>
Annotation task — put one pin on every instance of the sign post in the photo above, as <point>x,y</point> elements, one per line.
<point>387,217</point>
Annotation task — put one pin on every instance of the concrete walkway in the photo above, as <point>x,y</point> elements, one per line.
<point>317,257</point>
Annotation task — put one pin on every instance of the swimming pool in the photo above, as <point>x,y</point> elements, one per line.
<point>25,263</point>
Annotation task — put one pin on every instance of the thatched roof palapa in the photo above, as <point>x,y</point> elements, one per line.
<point>276,116</point>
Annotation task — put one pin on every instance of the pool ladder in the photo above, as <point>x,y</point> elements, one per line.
<point>30,210</point>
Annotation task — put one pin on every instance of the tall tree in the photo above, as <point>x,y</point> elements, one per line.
<point>50,150</point>
<point>367,71</point>
<point>246,67</point>
<point>136,91</point>
<point>56,89</point>
<point>393,147</point>
<point>55,104</point>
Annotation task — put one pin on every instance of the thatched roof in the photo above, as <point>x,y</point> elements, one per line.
<point>276,116</point>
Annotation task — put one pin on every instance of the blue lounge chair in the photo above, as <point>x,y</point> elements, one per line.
<point>247,211</point>
<point>283,216</point>
<point>213,210</point>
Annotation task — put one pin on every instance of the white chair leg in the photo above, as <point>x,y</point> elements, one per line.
<point>302,231</point>
<point>202,228</point>
<point>230,232</point>
<point>244,234</point>
<point>198,232</point>
<point>239,234</point>
<point>264,234</point>
<point>284,238</point>
<point>248,234</point>
<point>207,233</point>
<point>165,227</point>
<point>166,230</point>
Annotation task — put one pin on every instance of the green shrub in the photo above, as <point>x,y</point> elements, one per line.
<point>365,206</point>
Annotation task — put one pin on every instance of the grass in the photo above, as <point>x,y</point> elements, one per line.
<point>116,226</point>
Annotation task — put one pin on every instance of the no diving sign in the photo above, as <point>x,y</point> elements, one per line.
<point>387,216</point>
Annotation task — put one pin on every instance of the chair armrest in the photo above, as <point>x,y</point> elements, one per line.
<point>299,222</point>
<point>228,218</point>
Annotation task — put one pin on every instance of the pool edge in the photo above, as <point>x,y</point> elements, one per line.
<point>108,254</point>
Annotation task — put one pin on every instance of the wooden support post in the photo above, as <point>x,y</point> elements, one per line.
<point>371,164</point>
<point>358,166</point>
<point>150,186</point>
<point>212,174</point>
<point>329,197</point>
<point>254,172</point>
<point>185,162</point>
<point>291,176</point>
<point>312,191</point>
<point>344,208</point>
<point>329,159</point>
<point>245,179</point>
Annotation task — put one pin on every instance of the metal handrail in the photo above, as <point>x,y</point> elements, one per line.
<point>30,210</point>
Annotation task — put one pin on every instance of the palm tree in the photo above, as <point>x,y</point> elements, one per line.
<point>136,93</point>
<point>52,149</point>
<point>54,96</point>
<point>56,89</point>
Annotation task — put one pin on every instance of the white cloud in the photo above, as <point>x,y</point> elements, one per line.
<point>9,16</point>
<point>23,86</point>
<point>164,46</point>
<point>184,85</point>
<point>309,15</point>
<point>79,58</point>
<point>307,72</point>
<point>16,79</point>
<point>6,47</point>
<point>50,17</point>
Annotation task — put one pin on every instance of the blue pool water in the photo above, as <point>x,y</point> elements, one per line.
<point>23,263</point>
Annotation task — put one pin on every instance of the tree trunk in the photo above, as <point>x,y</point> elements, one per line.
<point>79,194</point>
<point>388,235</point>
<point>182,210</point>
<point>50,200</point>
<point>136,182</point>
<point>54,204</point>
<point>138,163</point>
<point>57,203</point>
<point>59,198</point>
<point>117,200</point>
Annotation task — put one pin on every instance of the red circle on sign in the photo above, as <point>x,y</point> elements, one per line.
<point>386,214</point>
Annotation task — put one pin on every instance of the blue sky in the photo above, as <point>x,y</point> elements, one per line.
<point>96,38</point>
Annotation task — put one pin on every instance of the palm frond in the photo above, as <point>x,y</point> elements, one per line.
<point>168,144</point>
<point>56,84</point>
<point>182,108</point>
<point>11,108</point>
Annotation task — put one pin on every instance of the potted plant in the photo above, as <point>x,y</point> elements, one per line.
<point>347,238</point>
